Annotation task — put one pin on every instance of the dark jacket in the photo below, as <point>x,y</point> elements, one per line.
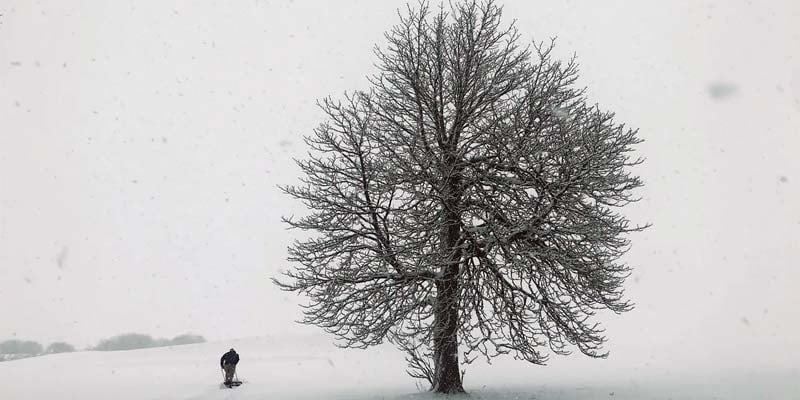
<point>230,357</point>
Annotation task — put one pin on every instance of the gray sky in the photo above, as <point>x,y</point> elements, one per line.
<point>141,144</point>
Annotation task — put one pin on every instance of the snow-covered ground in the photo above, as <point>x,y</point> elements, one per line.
<point>310,367</point>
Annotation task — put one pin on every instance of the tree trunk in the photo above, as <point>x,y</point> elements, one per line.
<point>445,347</point>
<point>447,376</point>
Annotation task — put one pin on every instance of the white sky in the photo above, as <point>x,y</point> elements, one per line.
<point>141,144</point>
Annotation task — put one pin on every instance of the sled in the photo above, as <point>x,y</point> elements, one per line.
<point>231,385</point>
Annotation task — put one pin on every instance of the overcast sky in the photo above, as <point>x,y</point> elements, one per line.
<point>141,144</point>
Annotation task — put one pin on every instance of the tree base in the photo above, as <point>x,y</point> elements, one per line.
<point>449,390</point>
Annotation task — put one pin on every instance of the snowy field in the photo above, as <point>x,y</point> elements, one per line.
<point>311,368</point>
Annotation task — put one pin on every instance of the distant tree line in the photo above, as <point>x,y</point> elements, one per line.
<point>59,347</point>
<point>14,349</point>
<point>131,341</point>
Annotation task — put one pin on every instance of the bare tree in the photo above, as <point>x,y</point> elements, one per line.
<point>469,199</point>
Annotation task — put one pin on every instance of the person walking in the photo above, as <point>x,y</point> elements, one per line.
<point>228,364</point>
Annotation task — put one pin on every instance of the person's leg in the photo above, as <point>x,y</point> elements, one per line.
<point>228,373</point>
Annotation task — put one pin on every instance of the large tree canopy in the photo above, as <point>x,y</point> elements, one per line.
<point>469,200</point>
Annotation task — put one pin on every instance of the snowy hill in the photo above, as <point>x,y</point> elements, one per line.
<point>310,367</point>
